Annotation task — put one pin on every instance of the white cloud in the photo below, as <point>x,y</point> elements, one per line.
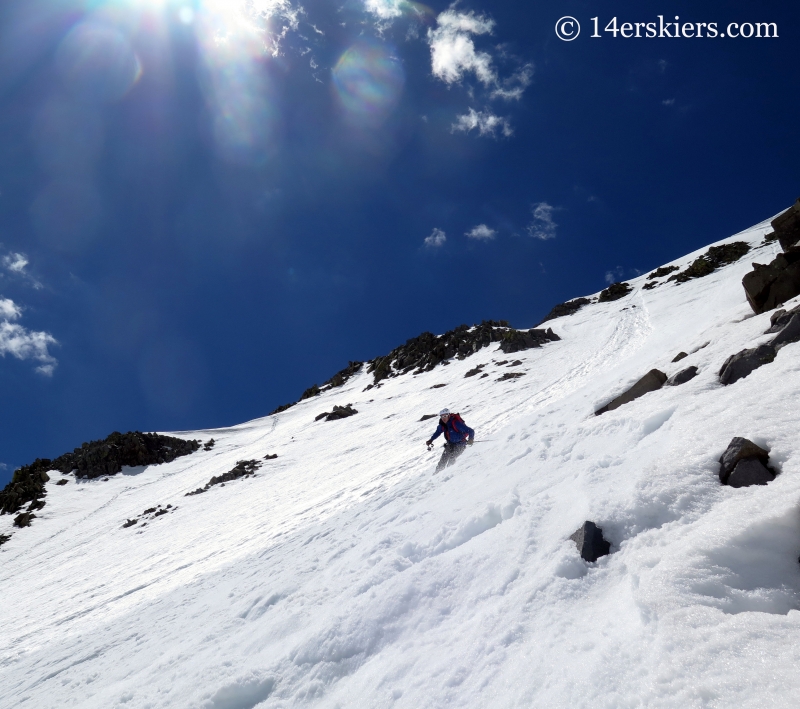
<point>9,310</point>
<point>484,121</point>
<point>542,227</point>
<point>436,239</point>
<point>614,275</point>
<point>453,52</point>
<point>385,9</point>
<point>481,232</point>
<point>22,343</point>
<point>513,87</point>
<point>668,102</point>
<point>15,262</point>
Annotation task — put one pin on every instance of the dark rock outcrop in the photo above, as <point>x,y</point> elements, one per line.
<point>614,292</point>
<point>769,286</point>
<point>789,333</point>
<point>425,417</point>
<point>682,377</point>
<point>339,412</point>
<point>711,260</point>
<point>678,357</point>
<point>24,520</point>
<point>750,472</point>
<point>569,308</point>
<point>511,375</point>
<point>424,352</point>
<point>209,444</point>
<point>337,380</point>
<point>590,542</point>
<point>93,460</point>
<point>651,381</point>
<point>270,456</point>
<point>744,463</point>
<point>661,272</point>
<point>242,469</point>
<point>474,371</point>
<point>4,538</point>
<point>743,363</point>
<point>519,340</point>
<point>787,227</point>
<point>63,481</point>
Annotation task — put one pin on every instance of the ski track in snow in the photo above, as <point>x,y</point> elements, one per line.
<point>346,574</point>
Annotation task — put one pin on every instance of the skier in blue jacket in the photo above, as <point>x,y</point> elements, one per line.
<point>457,437</point>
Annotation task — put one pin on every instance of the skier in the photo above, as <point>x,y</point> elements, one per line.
<point>457,437</point>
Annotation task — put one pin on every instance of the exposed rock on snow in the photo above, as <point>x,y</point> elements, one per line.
<point>424,352</point>
<point>511,375</point>
<point>339,412</point>
<point>93,460</point>
<point>651,381</point>
<point>519,340</point>
<point>787,227</point>
<point>744,463</point>
<point>614,292</point>
<point>750,472</point>
<point>337,380</point>
<point>590,542</point>
<point>569,308</point>
<point>713,259</point>
<point>743,363</point>
<point>678,357</point>
<point>24,520</point>
<point>661,272</point>
<point>789,334</point>
<point>242,469</point>
<point>209,444</point>
<point>682,377</point>
<point>270,456</point>
<point>771,285</point>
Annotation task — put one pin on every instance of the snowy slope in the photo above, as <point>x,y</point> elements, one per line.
<point>345,574</point>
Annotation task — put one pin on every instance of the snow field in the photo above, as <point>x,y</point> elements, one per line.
<point>345,574</point>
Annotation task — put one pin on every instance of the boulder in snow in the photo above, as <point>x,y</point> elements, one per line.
<point>740,451</point>
<point>678,357</point>
<point>651,381</point>
<point>767,287</point>
<point>614,292</point>
<point>750,472</point>
<point>339,412</point>
<point>568,308</point>
<point>682,377</point>
<point>590,542</point>
<point>787,227</point>
<point>518,340</point>
<point>741,364</point>
<point>790,333</point>
<point>24,520</point>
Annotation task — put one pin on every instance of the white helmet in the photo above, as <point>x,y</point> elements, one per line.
<point>444,412</point>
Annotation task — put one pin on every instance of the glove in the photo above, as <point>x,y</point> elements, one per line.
<point>429,443</point>
<point>470,442</point>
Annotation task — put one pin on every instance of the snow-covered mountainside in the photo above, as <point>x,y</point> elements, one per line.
<point>344,573</point>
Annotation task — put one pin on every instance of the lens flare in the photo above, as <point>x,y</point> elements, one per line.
<point>368,79</point>
<point>236,82</point>
<point>97,62</point>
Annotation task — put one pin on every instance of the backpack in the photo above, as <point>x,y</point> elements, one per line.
<point>453,418</point>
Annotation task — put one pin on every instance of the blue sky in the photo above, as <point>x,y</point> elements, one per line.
<point>206,207</point>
